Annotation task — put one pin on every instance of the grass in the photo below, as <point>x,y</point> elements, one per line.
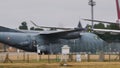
<point>20,61</point>
<point>57,65</point>
<point>36,61</point>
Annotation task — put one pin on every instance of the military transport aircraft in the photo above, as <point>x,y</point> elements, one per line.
<point>21,39</point>
<point>49,41</point>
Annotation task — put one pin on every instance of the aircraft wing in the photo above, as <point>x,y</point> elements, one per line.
<point>102,31</point>
<point>69,34</point>
<point>66,34</point>
<point>51,27</point>
<point>101,21</point>
<point>59,32</point>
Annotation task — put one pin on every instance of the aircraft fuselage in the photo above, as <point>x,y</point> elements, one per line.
<point>29,42</point>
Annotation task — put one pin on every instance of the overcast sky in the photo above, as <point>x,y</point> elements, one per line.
<point>64,13</point>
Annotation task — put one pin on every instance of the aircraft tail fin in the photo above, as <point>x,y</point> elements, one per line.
<point>118,10</point>
<point>5,29</point>
<point>79,25</point>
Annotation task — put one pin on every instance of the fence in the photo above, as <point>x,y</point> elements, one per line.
<point>34,57</point>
